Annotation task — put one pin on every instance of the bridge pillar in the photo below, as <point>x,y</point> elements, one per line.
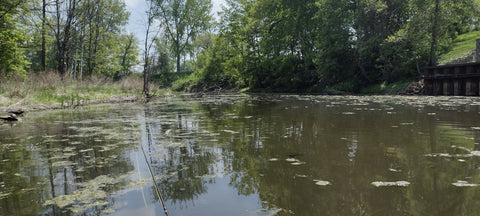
<point>428,87</point>
<point>447,87</point>
<point>475,87</point>
<point>457,87</point>
<point>478,87</point>
<point>437,87</point>
<point>477,52</point>
<point>471,87</point>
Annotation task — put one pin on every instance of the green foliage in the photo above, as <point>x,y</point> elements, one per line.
<point>264,45</point>
<point>460,47</point>
<point>12,59</point>
<point>217,68</point>
<point>11,55</point>
<point>187,83</point>
<point>386,88</point>
<point>327,45</point>
<point>351,85</point>
<point>182,22</point>
<point>397,60</point>
<point>335,57</point>
<point>80,38</point>
<point>166,79</point>
<point>111,52</point>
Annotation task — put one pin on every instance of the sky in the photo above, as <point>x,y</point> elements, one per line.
<point>137,21</point>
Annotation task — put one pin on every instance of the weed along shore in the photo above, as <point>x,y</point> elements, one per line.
<point>69,104</point>
<point>47,91</point>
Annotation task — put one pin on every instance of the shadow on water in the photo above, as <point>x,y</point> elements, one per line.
<point>247,155</point>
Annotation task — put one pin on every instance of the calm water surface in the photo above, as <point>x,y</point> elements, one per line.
<point>247,155</point>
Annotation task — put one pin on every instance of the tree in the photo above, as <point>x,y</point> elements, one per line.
<point>183,20</point>
<point>127,56</point>
<point>11,38</point>
<point>438,22</point>
<point>104,29</point>
<point>334,41</point>
<point>43,55</point>
<point>63,33</point>
<point>148,45</point>
<point>88,34</point>
<point>68,35</point>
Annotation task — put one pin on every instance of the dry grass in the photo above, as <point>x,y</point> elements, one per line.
<point>51,88</point>
<point>131,83</point>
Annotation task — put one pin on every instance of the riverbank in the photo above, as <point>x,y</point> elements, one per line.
<point>49,90</point>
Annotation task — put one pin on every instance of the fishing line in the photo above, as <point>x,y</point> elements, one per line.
<point>153,177</point>
<point>140,177</point>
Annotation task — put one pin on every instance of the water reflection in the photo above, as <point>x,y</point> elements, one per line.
<point>247,155</point>
<point>52,165</point>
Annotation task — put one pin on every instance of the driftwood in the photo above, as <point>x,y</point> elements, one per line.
<point>15,111</point>
<point>11,117</point>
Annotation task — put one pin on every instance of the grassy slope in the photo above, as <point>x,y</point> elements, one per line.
<point>460,47</point>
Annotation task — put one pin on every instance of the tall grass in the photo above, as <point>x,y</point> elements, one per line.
<point>51,88</point>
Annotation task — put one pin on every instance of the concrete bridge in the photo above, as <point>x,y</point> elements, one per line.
<point>456,79</point>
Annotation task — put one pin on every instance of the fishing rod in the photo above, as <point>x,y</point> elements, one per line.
<point>153,177</point>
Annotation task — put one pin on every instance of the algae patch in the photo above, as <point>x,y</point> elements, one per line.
<point>464,184</point>
<point>391,184</point>
<point>322,183</point>
<point>90,195</point>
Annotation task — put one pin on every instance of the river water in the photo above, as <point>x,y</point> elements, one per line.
<point>247,155</point>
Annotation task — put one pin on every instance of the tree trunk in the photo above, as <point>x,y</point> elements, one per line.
<point>146,57</point>
<point>178,62</point>
<point>57,36</point>
<point>177,50</point>
<point>124,70</point>
<point>145,77</point>
<point>64,43</point>
<point>90,39</point>
<point>433,45</point>
<point>43,52</point>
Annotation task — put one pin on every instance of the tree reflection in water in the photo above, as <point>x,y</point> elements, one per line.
<point>176,157</point>
<point>258,155</point>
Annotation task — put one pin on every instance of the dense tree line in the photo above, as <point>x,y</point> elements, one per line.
<point>310,45</point>
<point>266,45</point>
<point>74,37</point>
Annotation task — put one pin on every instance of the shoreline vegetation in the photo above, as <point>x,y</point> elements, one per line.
<point>49,90</point>
<point>332,47</point>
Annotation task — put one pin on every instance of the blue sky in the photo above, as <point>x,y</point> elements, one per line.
<point>137,22</point>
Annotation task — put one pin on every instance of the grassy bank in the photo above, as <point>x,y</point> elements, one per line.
<point>49,88</point>
<point>461,47</point>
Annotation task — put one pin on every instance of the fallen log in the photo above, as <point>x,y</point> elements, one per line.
<point>15,111</point>
<point>11,117</point>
